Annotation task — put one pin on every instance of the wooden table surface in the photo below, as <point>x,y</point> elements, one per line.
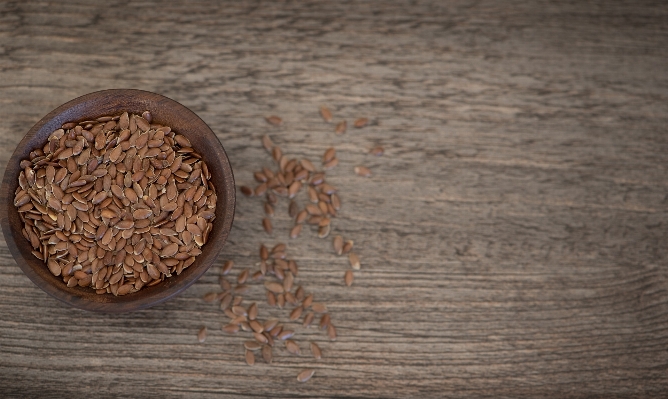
<point>512,237</point>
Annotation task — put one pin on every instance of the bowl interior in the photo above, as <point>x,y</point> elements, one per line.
<point>111,102</point>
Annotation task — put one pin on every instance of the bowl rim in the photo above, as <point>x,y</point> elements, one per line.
<point>149,296</point>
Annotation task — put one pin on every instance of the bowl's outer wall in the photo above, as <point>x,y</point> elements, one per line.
<point>111,102</point>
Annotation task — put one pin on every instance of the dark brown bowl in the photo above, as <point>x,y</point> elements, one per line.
<point>109,102</point>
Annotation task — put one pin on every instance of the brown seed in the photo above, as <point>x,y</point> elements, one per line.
<point>348,278</point>
<point>210,297</point>
<point>276,153</point>
<point>264,252</point>
<point>296,313</point>
<point>326,114</point>
<point>296,230</point>
<point>361,122</point>
<point>242,277</point>
<point>308,319</point>
<point>324,321</point>
<point>267,143</point>
<point>268,209</point>
<point>231,328</point>
<point>362,171</point>
<point>337,242</point>
<point>250,358</point>
<point>315,350</point>
<point>354,261</point>
<point>377,151</point>
<point>266,354</point>
<point>227,266</point>
<point>270,324</point>
<point>307,301</point>
<point>169,250</point>
<point>348,246</point>
<point>292,347</point>
<point>239,311</point>
<point>256,326</point>
<point>266,224</point>
<point>274,120</point>
<point>331,332</point>
<point>201,335</point>
<point>331,164</point>
<point>305,375</point>
<point>319,307</point>
<point>294,189</point>
<point>252,345</point>
<point>142,213</point>
<point>308,165</point>
<point>341,127</point>
<point>274,287</point>
<point>271,298</point>
<point>329,154</point>
<point>260,338</point>
<point>252,312</point>
<point>247,191</point>
<point>323,231</point>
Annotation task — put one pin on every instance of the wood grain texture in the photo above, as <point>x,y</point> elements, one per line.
<point>513,237</point>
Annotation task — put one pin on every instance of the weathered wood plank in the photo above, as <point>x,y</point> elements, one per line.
<point>512,237</point>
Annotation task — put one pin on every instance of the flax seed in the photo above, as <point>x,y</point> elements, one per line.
<point>201,335</point>
<point>292,347</point>
<point>326,114</point>
<point>250,358</point>
<point>315,350</point>
<point>362,171</point>
<point>361,122</point>
<point>341,127</point>
<point>348,278</point>
<point>305,375</point>
<point>274,120</point>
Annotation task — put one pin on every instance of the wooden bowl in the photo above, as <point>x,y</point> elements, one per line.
<point>110,102</point>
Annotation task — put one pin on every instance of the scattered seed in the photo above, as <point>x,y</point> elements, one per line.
<point>210,297</point>
<point>348,277</point>
<point>361,122</point>
<point>231,328</point>
<point>329,154</point>
<point>266,224</point>
<point>292,347</point>
<point>274,287</point>
<point>296,230</point>
<point>377,151</point>
<point>267,354</point>
<point>348,246</point>
<point>274,120</point>
<point>227,266</point>
<point>331,332</point>
<point>305,375</point>
<point>319,307</point>
<point>296,313</point>
<point>354,261</point>
<point>362,171</point>
<point>252,345</point>
<point>324,321</point>
<point>308,319</point>
<point>201,335</point>
<point>250,358</point>
<point>247,191</point>
<point>267,143</point>
<point>326,114</point>
<point>341,127</point>
<point>337,242</point>
<point>315,350</point>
